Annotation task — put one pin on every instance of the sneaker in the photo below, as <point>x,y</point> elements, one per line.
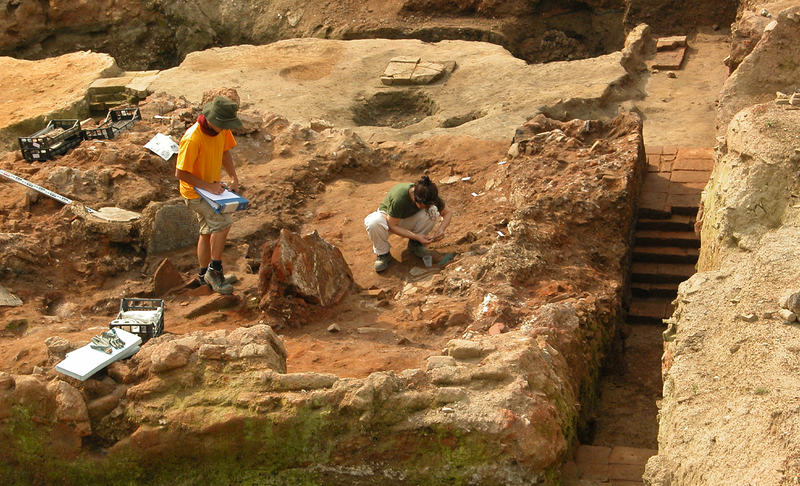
<point>382,262</point>
<point>418,248</point>
<point>216,281</point>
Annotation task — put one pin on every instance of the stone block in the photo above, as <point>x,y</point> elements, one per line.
<point>170,226</point>
<point>140,86</point>
<point>109,85</point>
<point>592,454</point>
<point>669,43</point>
<point>626,472</point>
<point>594,472</point>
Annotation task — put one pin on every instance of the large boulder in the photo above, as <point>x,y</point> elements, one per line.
<point>300,271</point>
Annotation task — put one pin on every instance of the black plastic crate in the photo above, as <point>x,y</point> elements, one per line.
<point>55,139</point>
<point>143,317</point>
<point>116,121</point>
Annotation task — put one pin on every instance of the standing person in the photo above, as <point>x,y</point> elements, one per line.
<point>410,210</point>
<point>204,151</point>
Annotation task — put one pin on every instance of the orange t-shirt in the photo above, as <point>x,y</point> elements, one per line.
<point>201,155</point>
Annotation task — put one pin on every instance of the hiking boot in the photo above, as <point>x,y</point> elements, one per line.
<point>382,262</point>
<point>418,248</point>
<point>216,281</point>
<point>230,278</point>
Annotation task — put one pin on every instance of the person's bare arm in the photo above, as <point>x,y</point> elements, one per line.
<point>194,181</point>
<point>394,228</point>
<point>447,215</point>
<point>227,164</point>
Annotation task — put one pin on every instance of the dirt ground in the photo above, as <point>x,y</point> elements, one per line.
<point>68,295</point>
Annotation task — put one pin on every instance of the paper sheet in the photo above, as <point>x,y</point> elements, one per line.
<point>163,146</point>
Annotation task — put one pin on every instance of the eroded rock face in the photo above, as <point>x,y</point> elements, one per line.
<point>769,68</point>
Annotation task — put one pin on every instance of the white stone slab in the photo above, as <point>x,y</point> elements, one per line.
<point>84,362</point>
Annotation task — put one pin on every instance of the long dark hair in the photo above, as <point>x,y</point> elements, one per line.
<point>425,191</point>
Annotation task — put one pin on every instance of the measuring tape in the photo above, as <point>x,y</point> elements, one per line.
<point>57,197</point>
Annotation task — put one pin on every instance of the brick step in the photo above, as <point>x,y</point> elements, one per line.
<point>664,206</point>
<point>661,272</point>
<point>688,206</point>
<point>595,466</point>
<point>653,213</point>
<point>676,222</point>
<point>684,239</point>
<point>665,254</point>
<point>650,310</point>
<point>645,290</point>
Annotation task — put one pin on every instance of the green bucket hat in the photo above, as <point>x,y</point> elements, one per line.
<point>222,113</point>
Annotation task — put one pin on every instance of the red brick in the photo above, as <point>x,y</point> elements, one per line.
<point>696,153</point>
<point>683,200</point>
<point>654,150</point>
<point>681,236</point>
<point>653,163</point>
<point>657,309</point>
<point>690,176</point>
<point>656,182</point>
<point>687,188</point>
<point>678,270</point>
<point>653,200</point>
<point>693,164</point>
<point>665,166</point>
<point>670,150</point>
<point>672,59</point>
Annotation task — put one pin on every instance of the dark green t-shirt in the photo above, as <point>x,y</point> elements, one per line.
<point>398,204</point>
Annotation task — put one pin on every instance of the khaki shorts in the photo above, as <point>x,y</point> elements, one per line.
<point>210,220</point>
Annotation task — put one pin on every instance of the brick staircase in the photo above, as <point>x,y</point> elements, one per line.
<point>604,466</point>
<point>131,87</point>
<point>665,253</point>
<point>666,247</point>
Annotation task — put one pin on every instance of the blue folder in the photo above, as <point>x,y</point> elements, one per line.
<point>227,202</point>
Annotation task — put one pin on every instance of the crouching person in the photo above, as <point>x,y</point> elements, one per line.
<point>409,210</point>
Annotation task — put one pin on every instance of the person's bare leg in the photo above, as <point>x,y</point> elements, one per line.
<point>217,244</point>
<point>204,250</point>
